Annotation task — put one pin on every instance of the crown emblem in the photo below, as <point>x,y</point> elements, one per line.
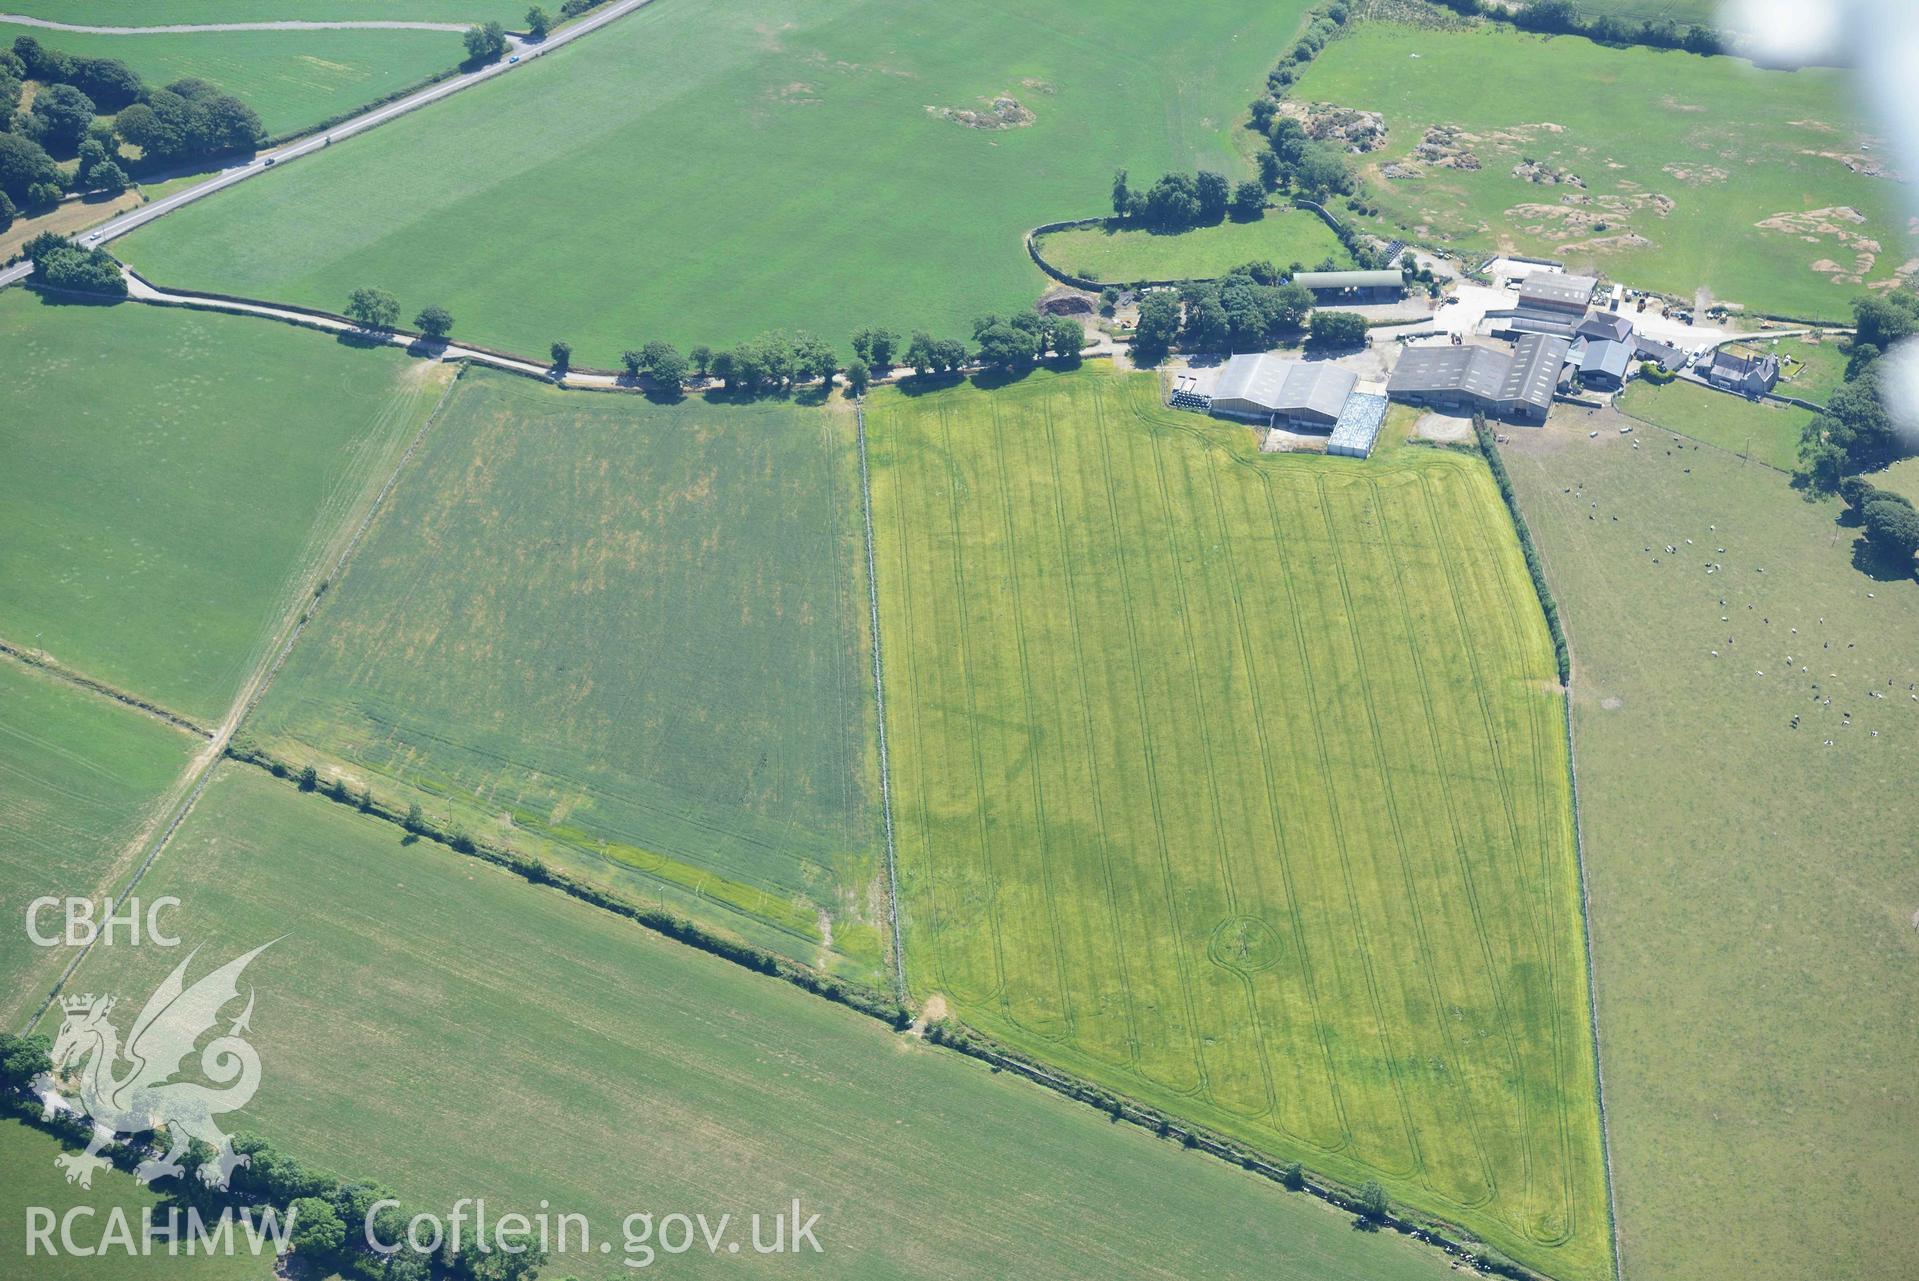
<point>82,1004</point>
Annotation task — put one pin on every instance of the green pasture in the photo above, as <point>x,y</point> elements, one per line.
<point>1237,782</point>
<point>79,776</point>
<point>173,479</point>
<point>1729,146</point>
<point>1127,254</point>
<point>151,13</point>
<point>701,173</point>
<point>627,634</point>
<point>1753,885</point>
<point>452,1031</point>
<point>1768,433</point>
<point>29,1178</point>
<point>1901,478</point>
<point>293,79</point>
<point>1811,370</point>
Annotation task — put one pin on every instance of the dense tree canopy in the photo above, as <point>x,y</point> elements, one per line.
<point>24,164</point>
<point>485,43</point>
<point>60,116</point>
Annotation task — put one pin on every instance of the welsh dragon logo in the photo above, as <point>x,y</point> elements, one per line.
<point>128,1090</point>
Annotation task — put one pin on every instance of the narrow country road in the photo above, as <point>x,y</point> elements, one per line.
<point>20,19</point>
<point>519,54</point>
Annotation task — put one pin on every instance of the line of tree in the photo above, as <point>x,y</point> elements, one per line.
<point>59,263</point>
<point>69,117</point>
<point>328,1213</point>
<point>1855,434</point>
<point>1890,520</point>
<point>1535,568</point>
<point>1565,18</point>
<point>1180,200</point>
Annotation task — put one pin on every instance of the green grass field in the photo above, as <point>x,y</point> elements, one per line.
<point>1766,432</point>
<point>629,634</point>
<point>1730,147</point>
<point>172,478</point>
<point>1282,237</point>
<point>148,13</point>
<point>701,173</point>
<point>453,1031</point>
<point>79,776</point>
<point>1753,888</point>
<point>28,1177</point>
<point>1238,782</point>
<point>291,78</point>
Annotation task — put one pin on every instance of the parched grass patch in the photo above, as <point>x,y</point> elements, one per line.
<point>700,173</point>
<point>173,481</point>
<point>1126,254</point>
<point>625,634</point>
<point>79,775</point>
<point>1692,172</point>
<point>1237,782</point>
<point>1749,851</point>
<point>453,1032</point>
<point>1754,429</point>
<point>291,78</point>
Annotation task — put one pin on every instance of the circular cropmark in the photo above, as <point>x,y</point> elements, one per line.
<point>1244,943</point>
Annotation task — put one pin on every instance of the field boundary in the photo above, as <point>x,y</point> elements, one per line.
<point>1536,562</point>
<point>255,688</point>
<point>1744,458</point>
<point>60,671</point>
<point>879,708</point>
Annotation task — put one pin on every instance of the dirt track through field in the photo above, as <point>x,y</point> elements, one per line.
<point>180,799</point>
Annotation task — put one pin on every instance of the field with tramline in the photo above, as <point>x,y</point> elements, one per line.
<point>195,482</point>
<point>1746,739</point>
<point>79,776</point>
<point>1237,782</point>
<point>1666,170</point>
<point>700,173</point>
<point>451,1031</point>
<point>626,635</point>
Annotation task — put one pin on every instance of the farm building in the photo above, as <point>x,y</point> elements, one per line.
<point>1554,291</point>
<point>1358,426</point>
<point>1519,384</point>
<point>1353,286</point>
<point>1604,326</point>
<point>1602,362</point>
<point>1663,354</point>
<point>1264,388</point>
<point>1747,375</point>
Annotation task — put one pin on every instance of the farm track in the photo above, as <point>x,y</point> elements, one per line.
<point>181,799</point>
<point>879,702</point>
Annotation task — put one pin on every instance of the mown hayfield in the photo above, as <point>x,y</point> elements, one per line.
<point>1705,172</point>
<point>1765,432</point>
<point>29,1178</point>
<point>452,1031</point>
<point>173,480</point>
<point>630,634</point>
<point>699,173</point>
<point>1238,783</point>
<point>293,79</point>
<point>79,776</point>
<point>1753,888</point>
<point>1127,254</point>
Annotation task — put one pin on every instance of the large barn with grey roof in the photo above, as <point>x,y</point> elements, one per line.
<point>1517,384</point>
<point>1263,388</point>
